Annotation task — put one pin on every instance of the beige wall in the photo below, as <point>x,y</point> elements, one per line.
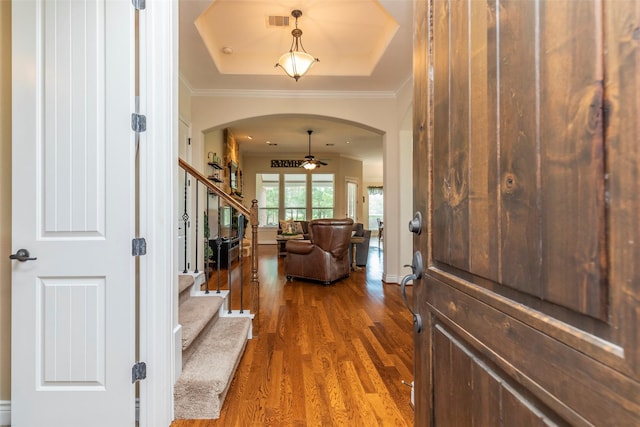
<point>184,102</point>
<point>341,167</point>
<point>5,200</point>
<point>210,110</point>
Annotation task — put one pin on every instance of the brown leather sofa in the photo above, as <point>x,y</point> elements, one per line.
<point>325,257</point>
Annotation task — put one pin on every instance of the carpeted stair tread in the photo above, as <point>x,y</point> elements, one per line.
<point>194,315</point>
<point>202,387</point>
<point>184,281</point>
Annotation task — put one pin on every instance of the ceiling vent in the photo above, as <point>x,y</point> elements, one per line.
<point>278,21</point>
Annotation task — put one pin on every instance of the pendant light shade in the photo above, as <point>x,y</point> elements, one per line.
<point>297,61</point>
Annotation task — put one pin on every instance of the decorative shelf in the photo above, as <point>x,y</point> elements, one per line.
<point>215,165</point>
<point>215,178</point>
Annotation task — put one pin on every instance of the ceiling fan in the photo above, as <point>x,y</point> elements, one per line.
<point>310,162</point>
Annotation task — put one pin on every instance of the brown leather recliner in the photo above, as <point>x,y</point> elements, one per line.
<point>325,257</point>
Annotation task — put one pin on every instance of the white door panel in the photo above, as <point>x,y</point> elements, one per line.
<point>73,309</point>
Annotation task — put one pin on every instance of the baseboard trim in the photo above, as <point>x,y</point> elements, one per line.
<point>5,413</point>
<point>177,342</point>
<point>388,278</point>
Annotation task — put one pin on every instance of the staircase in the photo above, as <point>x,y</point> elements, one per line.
<point>213,341</point>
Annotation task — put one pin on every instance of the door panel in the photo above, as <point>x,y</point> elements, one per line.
<point>73,308</point>
<point>519,121</point>
<point>475,392</point>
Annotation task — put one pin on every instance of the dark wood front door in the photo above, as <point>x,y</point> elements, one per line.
<point>527,174</point>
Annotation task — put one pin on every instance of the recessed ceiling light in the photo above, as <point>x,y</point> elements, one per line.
<point>348,142</point>
<point>227,50</point>
<point>249,137</point>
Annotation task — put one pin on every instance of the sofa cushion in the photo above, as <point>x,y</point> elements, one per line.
<point>286,226</point>
<point>297,227</point>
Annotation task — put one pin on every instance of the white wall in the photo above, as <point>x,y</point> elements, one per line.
<point>213,110</point>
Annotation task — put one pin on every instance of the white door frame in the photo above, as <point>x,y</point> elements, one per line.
<point>158,152</point>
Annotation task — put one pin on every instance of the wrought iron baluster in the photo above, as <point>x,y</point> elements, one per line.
<point>185,218</point>
<point>197,220</point>
<point>240,239</point>
<point>230,242</point>
<point>219,246</point>
<point>207,234</point>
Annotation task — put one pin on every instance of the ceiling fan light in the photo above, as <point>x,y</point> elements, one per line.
<point>310,163</point>
<point>296,63</point>
<point>309,166</point>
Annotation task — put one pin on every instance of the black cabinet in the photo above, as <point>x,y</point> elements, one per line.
<point>228,249</point>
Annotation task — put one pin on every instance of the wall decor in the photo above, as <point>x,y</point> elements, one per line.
<point>286,163</point>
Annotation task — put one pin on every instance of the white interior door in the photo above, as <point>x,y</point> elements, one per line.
<point>73,308</point>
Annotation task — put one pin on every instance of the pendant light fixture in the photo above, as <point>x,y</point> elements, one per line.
<point>297,61</point>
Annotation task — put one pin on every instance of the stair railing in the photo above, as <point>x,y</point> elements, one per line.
<point>223,200</point>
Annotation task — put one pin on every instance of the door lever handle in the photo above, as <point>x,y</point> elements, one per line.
<point>416,268</point>
<point>22,255</point>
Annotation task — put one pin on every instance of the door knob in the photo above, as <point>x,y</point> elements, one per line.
<point>415,225</point>
<point>22,255</point>
<point>416,268</point>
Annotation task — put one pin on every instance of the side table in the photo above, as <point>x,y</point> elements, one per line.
<point>354,242</point>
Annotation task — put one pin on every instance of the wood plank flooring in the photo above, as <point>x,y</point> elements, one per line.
<point>326,355</point>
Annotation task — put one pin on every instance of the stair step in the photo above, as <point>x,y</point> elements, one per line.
<point>202,387</point>
<point>184,282</point>
<point>194,315</point>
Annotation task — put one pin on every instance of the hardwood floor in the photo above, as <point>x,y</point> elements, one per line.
<point>326,355</point>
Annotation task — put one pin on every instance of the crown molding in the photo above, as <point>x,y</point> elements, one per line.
<point>311,94</point>
<point>314,94</point>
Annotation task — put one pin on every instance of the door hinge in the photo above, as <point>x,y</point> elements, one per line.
<point>138,122</point>
<point>138,246</point>
<point>138,4</point>
<point>138,372</point>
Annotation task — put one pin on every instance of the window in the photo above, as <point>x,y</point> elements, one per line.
<point>285,196</point>
<point>295,196</point>
<point>268,196</point>
<point>322,189</point>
